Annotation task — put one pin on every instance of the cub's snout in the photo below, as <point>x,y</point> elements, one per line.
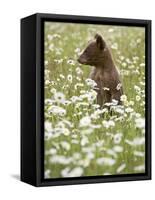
<point>82,60</point>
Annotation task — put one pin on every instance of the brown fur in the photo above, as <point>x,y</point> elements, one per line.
<point>104,72</point>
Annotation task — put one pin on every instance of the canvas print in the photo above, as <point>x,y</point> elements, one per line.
<point>94,100</point>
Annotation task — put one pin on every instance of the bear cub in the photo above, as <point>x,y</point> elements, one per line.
<point>104,71</point>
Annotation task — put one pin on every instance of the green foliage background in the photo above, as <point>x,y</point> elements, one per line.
<point>75,152</point>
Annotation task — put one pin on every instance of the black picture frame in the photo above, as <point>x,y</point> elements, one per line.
<point>32,98</point>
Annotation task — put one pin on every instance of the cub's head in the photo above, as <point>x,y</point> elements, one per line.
<point>93,53</point>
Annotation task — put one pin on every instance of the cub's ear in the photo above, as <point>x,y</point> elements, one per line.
<point>100,42</point>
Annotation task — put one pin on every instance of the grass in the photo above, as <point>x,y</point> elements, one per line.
<point>80,138</point>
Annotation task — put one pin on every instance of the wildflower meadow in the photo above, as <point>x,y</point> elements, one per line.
<point>82,139</point>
